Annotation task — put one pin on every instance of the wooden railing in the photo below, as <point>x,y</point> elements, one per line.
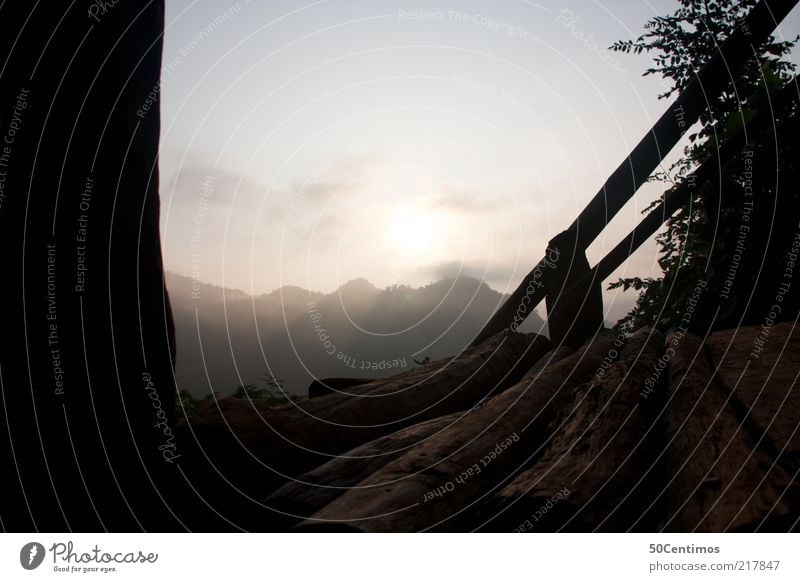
<point>558,280</point>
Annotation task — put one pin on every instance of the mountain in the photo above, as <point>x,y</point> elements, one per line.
<point>226,337</point>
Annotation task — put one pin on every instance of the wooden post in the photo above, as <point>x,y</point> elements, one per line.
<point>634,170</point>
<point>574,313</point>
<point>762,121</point>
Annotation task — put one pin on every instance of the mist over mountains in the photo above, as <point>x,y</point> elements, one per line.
<point>226,337</point>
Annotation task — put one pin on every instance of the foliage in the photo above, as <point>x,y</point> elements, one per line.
<point>698,242</point>
<point>272,394</point>
<point>186,405</point>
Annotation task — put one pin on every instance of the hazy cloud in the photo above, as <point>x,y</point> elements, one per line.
<point>495,274</point>
<point>457,199</point>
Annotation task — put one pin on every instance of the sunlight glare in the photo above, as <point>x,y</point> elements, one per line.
<point>412,229</point>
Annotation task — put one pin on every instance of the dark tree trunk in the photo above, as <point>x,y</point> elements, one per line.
<point>87,379</point>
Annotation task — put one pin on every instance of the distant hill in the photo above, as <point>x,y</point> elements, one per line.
<point>227,337</point>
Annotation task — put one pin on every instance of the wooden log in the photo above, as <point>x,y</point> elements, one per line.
<point>717,477</point>
<point>251,448</point>
<point>314,490</point>
<point>319,487</point>
<point>592,474</point>
<point>628,457</point>
<point>325,386</point>
<point>430,486</point>
<point>551,358</point>
<point>758,367</point>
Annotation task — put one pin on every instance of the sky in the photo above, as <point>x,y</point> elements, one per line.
<point>309,144</point>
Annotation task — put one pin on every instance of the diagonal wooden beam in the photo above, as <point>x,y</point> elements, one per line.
<point>761,122</point>
<point>634,170</point>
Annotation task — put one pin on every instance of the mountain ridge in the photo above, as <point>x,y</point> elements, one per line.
<point>227,337</point>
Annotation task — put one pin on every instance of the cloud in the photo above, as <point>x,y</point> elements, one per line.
<point>327,231</point>
<point>462,200</point>
<point>329,177</point>
<point>496,275</point>
<point>321,192</point>
<point>192,184</point>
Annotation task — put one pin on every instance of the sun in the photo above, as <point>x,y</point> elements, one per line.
<point>412,229</point>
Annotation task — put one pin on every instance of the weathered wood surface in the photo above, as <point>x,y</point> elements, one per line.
<point>550,358</point>
<point>592,472</point>
<point>759,367</point>
<point>646,434</point>
<point>574,298</point>
<point>717,477</point>
<point>434,485</point>
<point>325,386</point>
<point>319,487</point>
<point>257,448</point>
